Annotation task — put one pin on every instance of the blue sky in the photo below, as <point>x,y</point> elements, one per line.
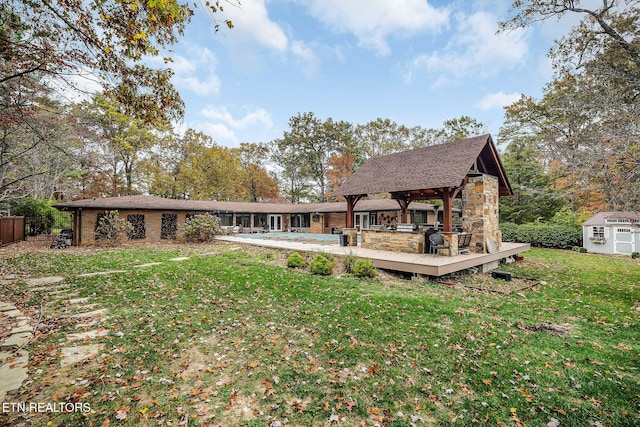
<point>416,62</point>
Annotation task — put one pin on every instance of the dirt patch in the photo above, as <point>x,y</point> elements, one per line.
<point>549,328</point>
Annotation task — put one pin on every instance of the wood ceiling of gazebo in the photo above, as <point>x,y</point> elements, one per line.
<point>422,172</point>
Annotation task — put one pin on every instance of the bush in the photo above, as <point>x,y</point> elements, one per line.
<point>542,235</point>
<point>202,228</point>
<point>111,227</point>
<point>509,231</point>
<point>321,266</point>
<point>635,255</point>
<point>364,268</point>
<point>295,260</point>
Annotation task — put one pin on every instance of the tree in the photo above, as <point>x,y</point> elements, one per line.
<point>532,199</point>
<point>304,153</point>
<point>604,43</point>
<point>121,140</point>
<point>379,137</point>
<point>589,116</point>
<point>255,182</point>
<point>108,39</point>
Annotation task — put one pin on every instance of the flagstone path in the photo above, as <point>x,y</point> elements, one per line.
<point>14,359</point>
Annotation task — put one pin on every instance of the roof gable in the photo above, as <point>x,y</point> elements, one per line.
<point>434,167</point>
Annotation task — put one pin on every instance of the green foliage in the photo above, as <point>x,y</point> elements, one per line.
<point>112,228</point>
<point>321,266</point>
<point>568,218</point>
<point>202,228</point>
<point>295,260</point>
<point>364,268</point>
<point>40,215</point>
<point>348,262</point>
<point>579,249</point>
<point>542,235</point>
<point>635,255</point>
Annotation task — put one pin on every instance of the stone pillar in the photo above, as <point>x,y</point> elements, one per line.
<point>353,236</point>
<point>480,212</point>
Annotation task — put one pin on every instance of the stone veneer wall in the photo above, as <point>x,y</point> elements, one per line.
<point>393,241</point>
<point>480,213</point>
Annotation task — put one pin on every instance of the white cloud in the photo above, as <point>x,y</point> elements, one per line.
<point>373,21</point>
<point>222,126</point>
<point>306,58</point>
<point>474,49</point>
<point>498,100</point>
<point>251,21</point>
<point>195,71</point>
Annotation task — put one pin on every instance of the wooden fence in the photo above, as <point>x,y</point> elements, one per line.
<point>11,229</point>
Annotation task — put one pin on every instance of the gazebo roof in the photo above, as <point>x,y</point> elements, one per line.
<point>435,167</point>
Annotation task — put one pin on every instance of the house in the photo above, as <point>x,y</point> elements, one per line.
<point>156,218</point>
<point>612,233</point>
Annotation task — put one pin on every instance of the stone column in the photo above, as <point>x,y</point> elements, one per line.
<point>480,212</point>
<point>353,236</point>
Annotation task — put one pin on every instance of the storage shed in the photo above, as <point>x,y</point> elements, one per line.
<point>612,233</point>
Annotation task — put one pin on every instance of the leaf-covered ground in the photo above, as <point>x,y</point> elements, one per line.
<point>231,337</point>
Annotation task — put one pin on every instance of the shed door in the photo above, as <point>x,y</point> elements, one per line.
<point>623,240</point>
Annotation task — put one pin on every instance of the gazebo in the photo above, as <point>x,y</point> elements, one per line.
<point>440,172</point>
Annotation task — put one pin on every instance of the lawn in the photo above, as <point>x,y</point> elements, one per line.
<point>230,337</point>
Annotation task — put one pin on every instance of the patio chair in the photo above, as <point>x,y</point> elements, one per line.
<point>437,242</point>
<point>464,240</point>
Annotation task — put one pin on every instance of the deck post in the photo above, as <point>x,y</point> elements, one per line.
<point>351,204</point>
<point>447,213</point>
<point>404,205</point>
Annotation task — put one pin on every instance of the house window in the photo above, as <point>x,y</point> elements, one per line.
<point>418,217</point>
<point>226,219</point>
<point>300,220</point>
<point>259,220</point>
<point>169,226</point>
<point>243,220</point>
<point>138,229</point>
<point>597,232</point>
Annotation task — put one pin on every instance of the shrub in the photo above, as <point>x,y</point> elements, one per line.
<point>509,231</point>
<point>635,255</point>
<point>542,235</point>
<point>321,266</point>
<point>364,268</point>
<point>111,227</point>
<point>202,228</point>
<point>295,260</point>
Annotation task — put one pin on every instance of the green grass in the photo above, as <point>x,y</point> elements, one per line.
<point>231,339</point>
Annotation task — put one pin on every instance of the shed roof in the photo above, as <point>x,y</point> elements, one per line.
<point>434,167</point>
<point>601,217</point>
<point>141,202</point>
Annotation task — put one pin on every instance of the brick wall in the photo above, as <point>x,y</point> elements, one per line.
<point>153,224</point>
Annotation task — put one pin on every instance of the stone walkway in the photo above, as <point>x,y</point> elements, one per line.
<point>14,359</point>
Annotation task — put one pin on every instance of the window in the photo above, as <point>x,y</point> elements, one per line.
<point>137,222</point>
<point>244,220</point>
<point>597,232</point>
<point>169,226</point>
<point>301,220</point>
<point>418,217</point>
<point>259,220</point>
<point>226,219</point>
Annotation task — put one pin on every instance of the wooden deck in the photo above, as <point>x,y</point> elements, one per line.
<point>423,264</point>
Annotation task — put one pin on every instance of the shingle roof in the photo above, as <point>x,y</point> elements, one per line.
<point>601,217</point>
<point>438,166</point>
<point>160,203</point>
